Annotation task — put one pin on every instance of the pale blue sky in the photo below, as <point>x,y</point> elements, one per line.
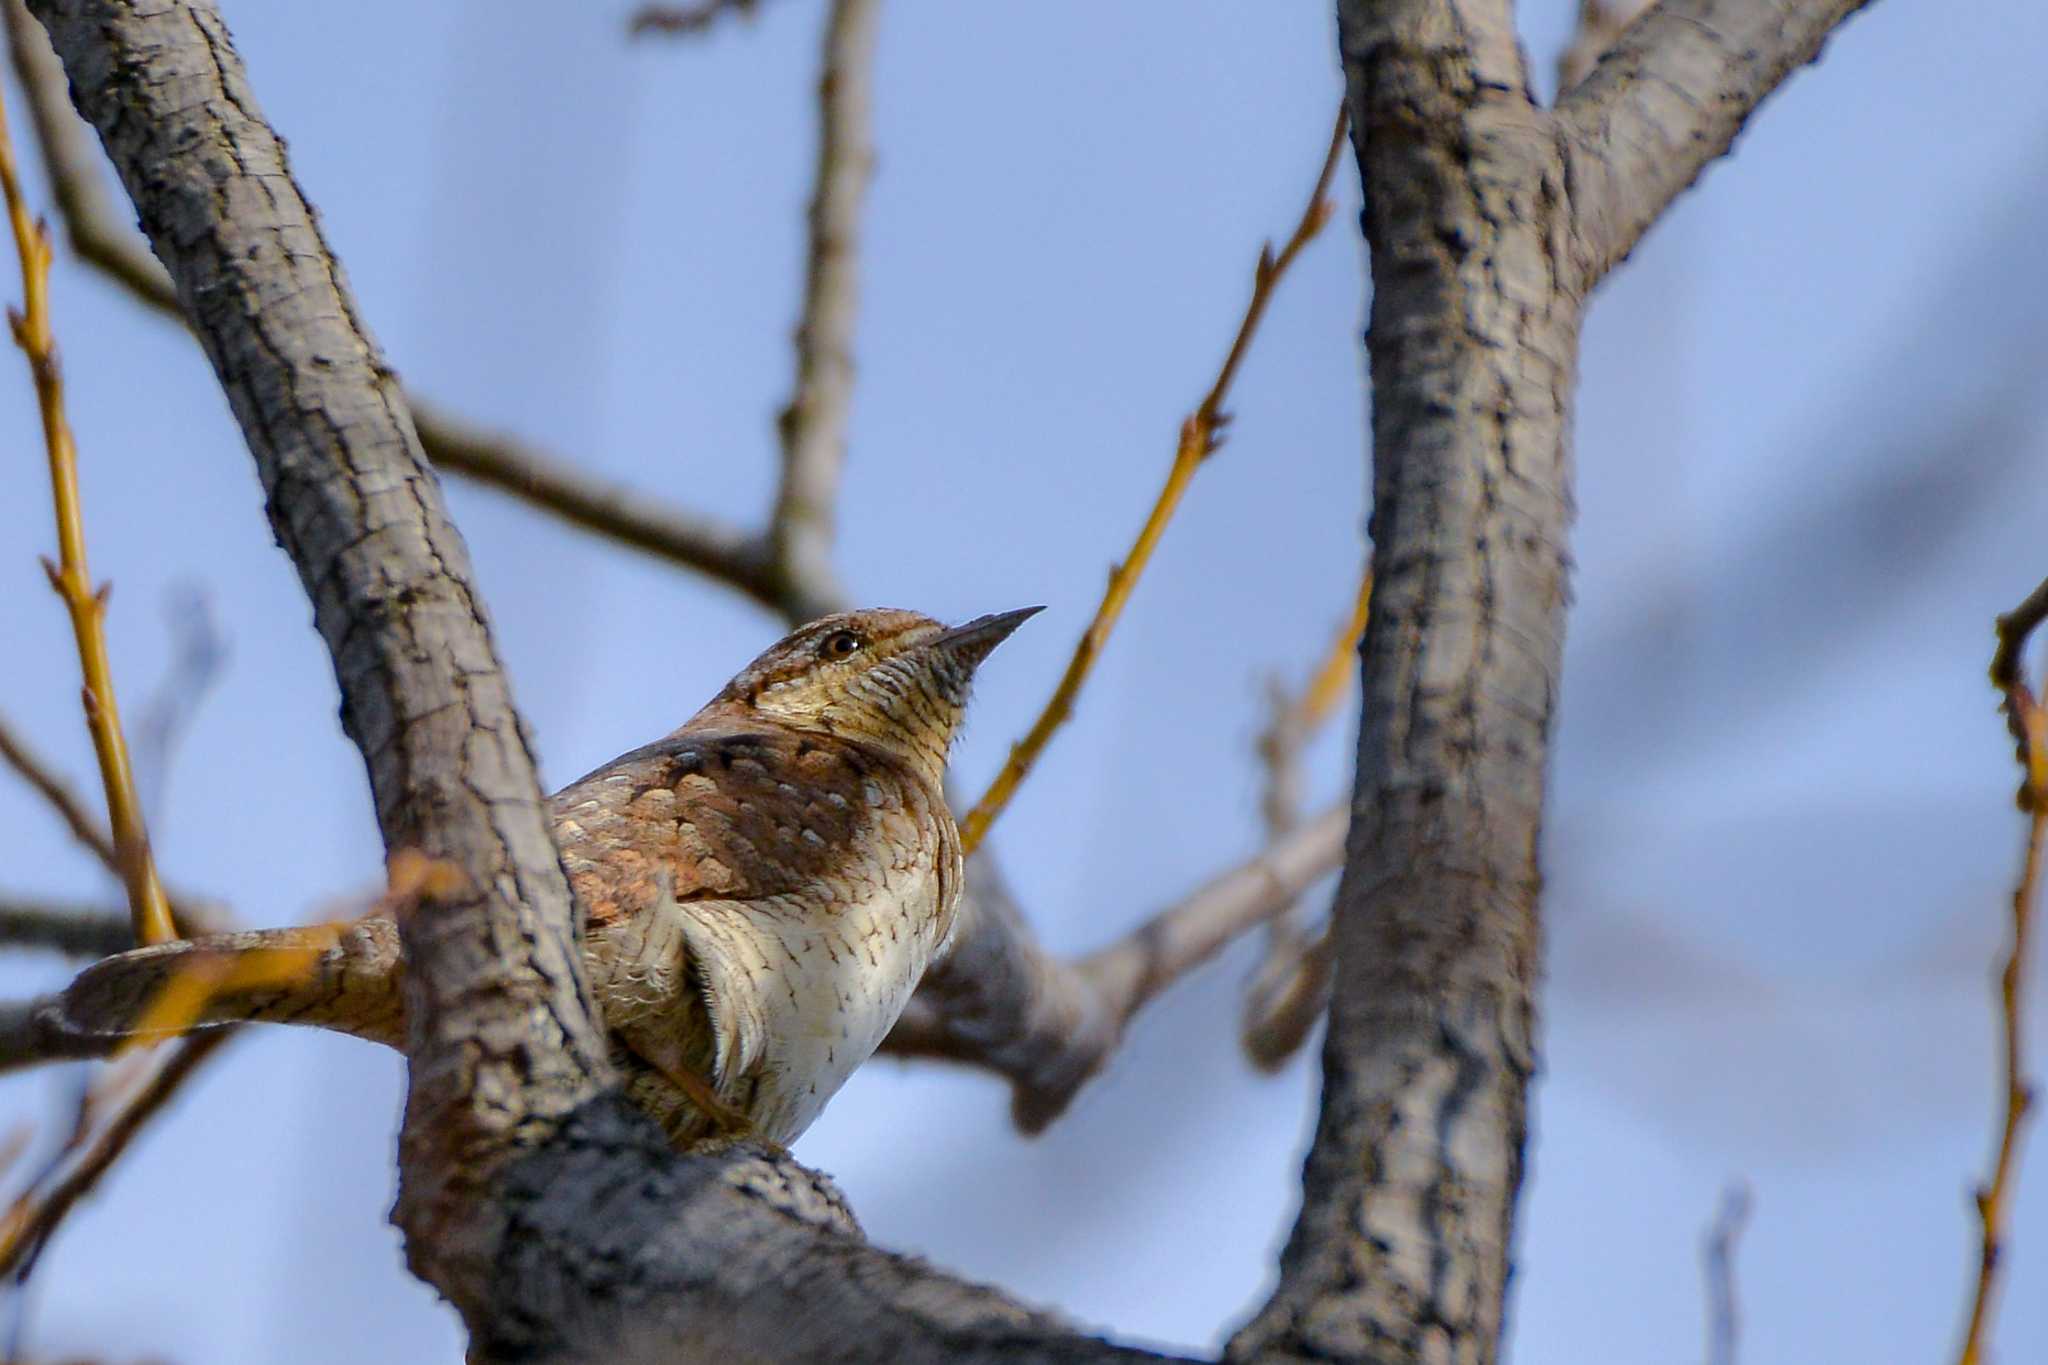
<point>1781,829</point>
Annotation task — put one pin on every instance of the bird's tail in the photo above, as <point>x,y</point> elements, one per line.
<point>342,977</point>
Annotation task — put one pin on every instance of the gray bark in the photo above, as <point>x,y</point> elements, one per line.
<point>550,1212</point>
<point>1488,219</point>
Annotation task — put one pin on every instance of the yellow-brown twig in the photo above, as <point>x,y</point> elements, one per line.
<point>147,903</point>
<point>2028,721</point>
<point>1199,436</point>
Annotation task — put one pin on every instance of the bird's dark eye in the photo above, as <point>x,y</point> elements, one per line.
<point>839,644</point>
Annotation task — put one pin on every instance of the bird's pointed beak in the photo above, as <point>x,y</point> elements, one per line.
<point>973,641</point>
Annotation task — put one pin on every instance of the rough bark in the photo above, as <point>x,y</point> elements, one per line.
<point>501,1038</point>
<point>1487,220</point>
<point>552,1213</point>
<point>1401,1249</point>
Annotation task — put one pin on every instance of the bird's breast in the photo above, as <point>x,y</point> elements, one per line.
<point>831,981</point>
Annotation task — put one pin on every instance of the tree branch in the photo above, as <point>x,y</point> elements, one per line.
<point>2027,719</point>
<point>1717,1256</point>
<point>552,1213</point>
<point>27,1225</point>
<point>1600,23</point>
<point>1200,434</point>
<point>1401,1251</point>
<point>812,427</point>
<point>90,931</point>
<point>691,18</point>
<point>1290,988</point>
<point>613,510</point>
<point>1000,1001</point>
<point>1667,99</point>
<point>504,1036</point>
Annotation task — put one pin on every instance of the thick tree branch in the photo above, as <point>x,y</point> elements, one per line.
<point>1667,99</point>
<point>812,427</point>
<point>504,1036</point>
<point>1000,1001</point>
<point>553,1214</point>
<point>1401,1250</point>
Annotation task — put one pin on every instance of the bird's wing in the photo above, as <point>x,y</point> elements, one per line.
<point>667,846</point>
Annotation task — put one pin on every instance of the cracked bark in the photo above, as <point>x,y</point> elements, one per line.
<point>1488,219</point>
<point>552,1213</point>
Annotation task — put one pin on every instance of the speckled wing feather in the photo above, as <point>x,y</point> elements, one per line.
<point>672,846</point>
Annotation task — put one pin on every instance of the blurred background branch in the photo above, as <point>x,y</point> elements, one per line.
<point>1724,1318</point>
<point>1291,986</point>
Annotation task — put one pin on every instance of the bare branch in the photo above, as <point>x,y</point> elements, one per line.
<point>26,1227</point>
<point>1667,99</point>
<point>612,510</point>
<point>53,789</point>
<point>69,576</point>
<point>198,652</point>
<point>1000,1001</point>
<point>74,930</point>
<point>1291,985</point>
<point>2027,718</point>
<point>812,427</point>
<point>190,916</point>
<point>1718,1254</point>
<point>355,506</point>
<point>681,19</point>
<point>101,238</point>
<point>1200,434</point>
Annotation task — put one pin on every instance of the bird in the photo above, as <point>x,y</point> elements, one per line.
<point>763,888</point>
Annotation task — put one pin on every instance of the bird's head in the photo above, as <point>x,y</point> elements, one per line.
<point>894,680</point>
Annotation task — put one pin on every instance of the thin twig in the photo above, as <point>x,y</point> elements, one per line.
<point>198,652</point>
<point>1287,990</point>
<point>192,917</point>
<point>90,931</point>
<point>26,1227</point>
<point>812,427</point>
<point>2013,629</point>
<point>2028,722</point>
<point>1724,1322</point>
<point>695,18</point>
<point>69,577</point>
<point>620,513</point>
<point>1200,434</point>
<point>59,796</point>
<point>101,238</point>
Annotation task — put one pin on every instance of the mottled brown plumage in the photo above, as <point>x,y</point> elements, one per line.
<point>763,887</point>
